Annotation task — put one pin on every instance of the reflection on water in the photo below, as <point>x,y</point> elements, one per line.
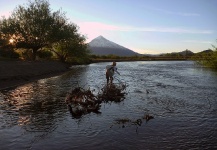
<point>179,95</point>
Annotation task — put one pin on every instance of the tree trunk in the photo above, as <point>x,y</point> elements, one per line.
<point>62,59</point>
<point>34,53</point>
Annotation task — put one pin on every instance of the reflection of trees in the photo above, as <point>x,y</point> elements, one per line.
<point>76,75</point>
<point>34,106</point>
<point>39,105</point>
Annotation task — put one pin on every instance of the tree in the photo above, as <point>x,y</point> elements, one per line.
<point>208,58</point>
<point>35,26</point>
<point>213,58</point>
<point>66,50</point>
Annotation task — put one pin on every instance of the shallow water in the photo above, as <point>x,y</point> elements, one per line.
<point>181,96</point>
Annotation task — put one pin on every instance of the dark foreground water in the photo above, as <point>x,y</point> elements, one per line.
<point>180,96</point>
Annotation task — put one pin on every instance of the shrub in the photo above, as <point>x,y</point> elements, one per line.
<point>9,53</point>
<point>44,54</point>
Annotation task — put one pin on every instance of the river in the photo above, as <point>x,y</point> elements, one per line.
<point>181,96</point>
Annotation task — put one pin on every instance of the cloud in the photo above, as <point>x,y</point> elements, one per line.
<point>166,29</point>
<point>187,14</point>
<point>5,14</point>
<point>177,13</point>
<point>197,41</point>
<point>97,27</point>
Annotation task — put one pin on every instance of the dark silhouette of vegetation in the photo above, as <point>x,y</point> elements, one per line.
<point>207,58</point>
<point>75,47</point>
<point>8,52</point>
<point>99,58</point>
<point>45,54</point>
<point>34,27</point>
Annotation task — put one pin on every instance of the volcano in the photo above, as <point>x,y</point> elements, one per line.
<point>102,46</point>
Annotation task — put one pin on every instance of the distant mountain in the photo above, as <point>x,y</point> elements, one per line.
<point>183,53</point>
<point>102,46</point>
<point>186,52</point>
<point>205,51</point>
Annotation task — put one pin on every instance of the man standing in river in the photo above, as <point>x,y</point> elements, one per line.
<point>110,70</point>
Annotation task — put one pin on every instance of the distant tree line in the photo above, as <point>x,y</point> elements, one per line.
<point>206,58</point>
<point>140,57</point>
<point>112,56</point>
<point>35,31</point>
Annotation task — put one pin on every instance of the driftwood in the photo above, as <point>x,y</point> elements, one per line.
<point>112,92</point>
<point>81,101</point>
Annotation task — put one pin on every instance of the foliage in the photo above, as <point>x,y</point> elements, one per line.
<point>8,52</point>
<point>208,59</point>
<point>71,49</point>
<point>24,54</point>
<point>29,27</point>
<point>6,49</point>
<point>115,57</point>
<point>45,54</point>
<point>34,26</point>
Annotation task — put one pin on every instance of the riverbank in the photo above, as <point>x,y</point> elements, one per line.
<point>14,73</point>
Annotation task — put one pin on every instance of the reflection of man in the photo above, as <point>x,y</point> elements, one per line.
<point>110,70</point>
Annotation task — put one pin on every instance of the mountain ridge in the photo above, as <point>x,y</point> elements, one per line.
<point>103,46</point>
<point>100,41</point>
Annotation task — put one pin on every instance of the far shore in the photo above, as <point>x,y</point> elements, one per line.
<point>15,73</point>
<point>147,59</point>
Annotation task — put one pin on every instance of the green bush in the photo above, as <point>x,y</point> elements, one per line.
<point>44,54</point>
<point>207,59</point>
<point>9,53</point>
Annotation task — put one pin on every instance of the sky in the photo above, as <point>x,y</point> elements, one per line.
<point>144,26</point>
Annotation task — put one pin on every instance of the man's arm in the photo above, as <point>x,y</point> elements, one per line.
<point>116,70</point>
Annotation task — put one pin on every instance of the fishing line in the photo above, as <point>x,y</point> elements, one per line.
<point>123,83</point>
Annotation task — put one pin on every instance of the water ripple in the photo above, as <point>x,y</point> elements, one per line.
<point>181,98</point>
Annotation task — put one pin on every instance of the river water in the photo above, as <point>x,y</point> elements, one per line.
<point>181,96</point>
